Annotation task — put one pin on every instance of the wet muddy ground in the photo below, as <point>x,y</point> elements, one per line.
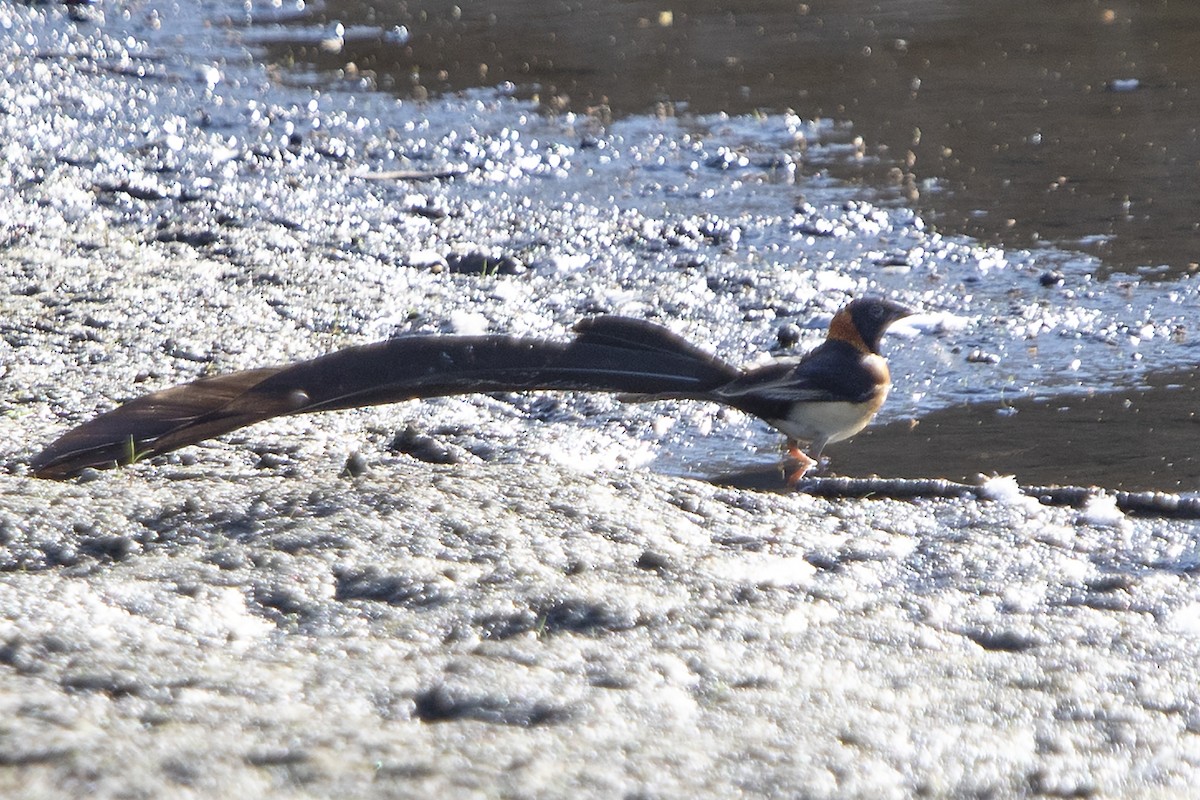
<point>549,609</point>
<point>1068,128</point>
<point>1127,437</point>
<point>1069,123</point>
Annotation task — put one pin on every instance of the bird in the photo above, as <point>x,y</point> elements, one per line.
<point>830,393</point>
<point>825,396</point>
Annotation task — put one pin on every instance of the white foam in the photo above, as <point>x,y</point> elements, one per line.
<point>468,323</point>
<point>771,571</point>
<point>1102,512</point>
<point>1005,489</point>
<point>1001,489</point>
<point>1185,620</point>
<point>926,324</point>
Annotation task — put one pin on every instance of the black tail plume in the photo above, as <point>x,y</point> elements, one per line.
<point>608,354</point>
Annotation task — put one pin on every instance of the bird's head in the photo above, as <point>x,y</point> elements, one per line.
<point>863,321</point>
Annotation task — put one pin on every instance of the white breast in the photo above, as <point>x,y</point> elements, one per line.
<point>822,423</point>
<point>829,422</point>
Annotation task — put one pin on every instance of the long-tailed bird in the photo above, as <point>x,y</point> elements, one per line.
<point>827,395</point>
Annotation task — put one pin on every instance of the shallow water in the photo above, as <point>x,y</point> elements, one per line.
<point>1127,440</point>
<point>1070,123</point>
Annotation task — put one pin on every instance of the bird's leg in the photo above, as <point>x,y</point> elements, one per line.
<point>792,448</point>
<point>794,473</point>
<point>818,447</point>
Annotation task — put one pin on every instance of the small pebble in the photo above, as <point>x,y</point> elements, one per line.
<point>356,465</point>
<point>978,356</point>
<point>788,335</point>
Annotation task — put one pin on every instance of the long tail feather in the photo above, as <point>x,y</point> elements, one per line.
<point>609,354</point>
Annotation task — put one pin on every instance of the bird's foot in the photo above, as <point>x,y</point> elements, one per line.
<point>795,472</point>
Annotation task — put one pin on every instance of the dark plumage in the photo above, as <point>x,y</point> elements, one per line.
<point>640,360</point>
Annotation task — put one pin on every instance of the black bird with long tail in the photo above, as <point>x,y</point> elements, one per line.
<point>826,396</point>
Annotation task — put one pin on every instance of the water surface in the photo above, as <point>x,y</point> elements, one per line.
<point>1073,123</point>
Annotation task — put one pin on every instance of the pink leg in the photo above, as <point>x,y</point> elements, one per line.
<point>803,463</point>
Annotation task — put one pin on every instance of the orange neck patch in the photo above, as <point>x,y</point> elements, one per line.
<point>843,329</point>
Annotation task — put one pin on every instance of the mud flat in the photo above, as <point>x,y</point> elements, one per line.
<point>559,609</point>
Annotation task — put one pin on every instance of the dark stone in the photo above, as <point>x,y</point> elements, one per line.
<point>1003,641</point>
<point>983,357</point>
<point>443,704</point>
<point>424,447</point>
<point>788,335</point>
<point>651,560</point>
<point>580,617</point>
<point>112,548</point>
<point>395,590</point>
<point>283,756</point>
<point>823,561</point>
<point>356,466</point>
<point>111,684</point>
<point>270,461</point>
<point>195,238</point>
<point>282,600</point>
<point>483,264</point>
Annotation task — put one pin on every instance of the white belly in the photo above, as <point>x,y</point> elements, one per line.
<point>830,422</point>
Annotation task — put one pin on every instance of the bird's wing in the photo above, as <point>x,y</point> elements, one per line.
<point>832,372</point>
<point>780,382</point>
